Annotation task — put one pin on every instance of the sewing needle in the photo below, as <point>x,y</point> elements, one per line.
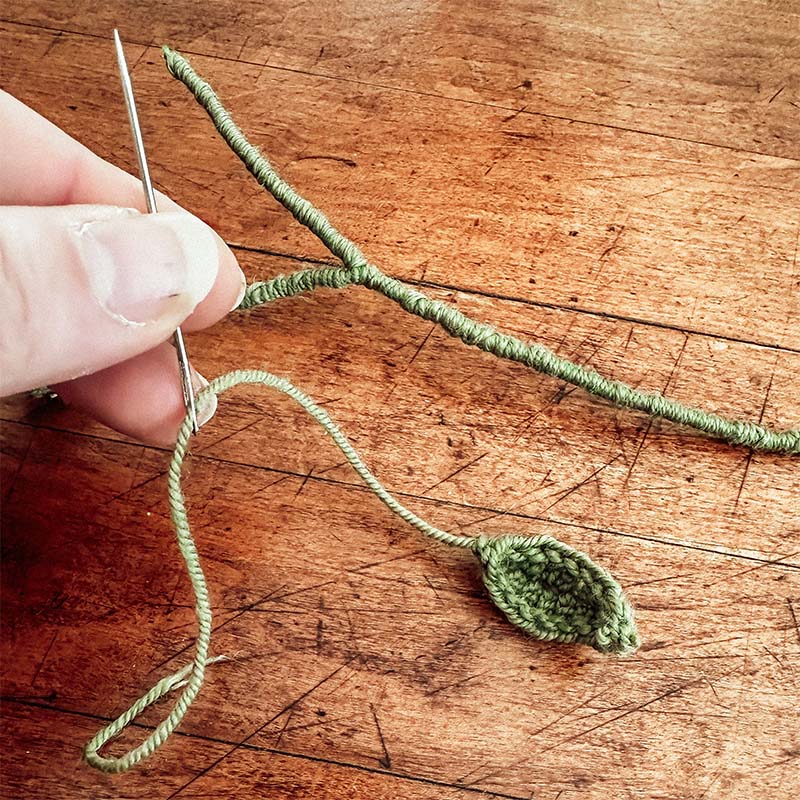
<point>150,198</point>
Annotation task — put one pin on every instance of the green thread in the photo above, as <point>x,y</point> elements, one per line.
<point>542,585</point>
<point>357,270</point>
<point>556,593</point>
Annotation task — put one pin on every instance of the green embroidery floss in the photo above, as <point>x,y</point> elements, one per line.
<point>357,270</point>
<point>542,585</point>
<point>545,587</point>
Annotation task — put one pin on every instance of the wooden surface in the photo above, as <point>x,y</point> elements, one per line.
<point>616,180</point>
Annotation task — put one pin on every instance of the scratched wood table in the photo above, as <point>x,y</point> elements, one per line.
<point>616,180</point>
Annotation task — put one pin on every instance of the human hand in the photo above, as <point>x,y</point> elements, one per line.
<point>91,294</point>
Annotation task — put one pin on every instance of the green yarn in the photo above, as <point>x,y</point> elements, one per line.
<point>357,270</point>
<point>554,592</point>
<point>548,589</point>
<point>542,585</point>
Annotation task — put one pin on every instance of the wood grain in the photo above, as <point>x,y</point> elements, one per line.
<point>437,420</point>
<point>552,211</point>
<point>356,642</point>
<point>51,766</point>
<point>614,180</point>
<point>717,72</point>
<point>251,772</point>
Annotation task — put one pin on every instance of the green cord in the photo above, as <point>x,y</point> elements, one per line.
<point>542,585</point>
<point>357,270</point>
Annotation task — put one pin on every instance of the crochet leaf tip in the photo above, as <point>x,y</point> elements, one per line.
<point>556,593</point>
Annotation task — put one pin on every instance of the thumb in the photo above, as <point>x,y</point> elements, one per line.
<point>85,287</point>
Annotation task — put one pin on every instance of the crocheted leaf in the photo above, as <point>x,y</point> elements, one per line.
<point>554,592</point>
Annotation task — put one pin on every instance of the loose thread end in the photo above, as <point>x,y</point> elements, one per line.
<point>174,61</point>
<point>189,679</point>
<point>43,393</point>
<point>168,54</point>
<point>556,593</point>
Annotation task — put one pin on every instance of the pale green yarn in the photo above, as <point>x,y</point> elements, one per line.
<point>542,585</point>
<point>556,593</point>
<point>547,588</point>
<point>357,270</point>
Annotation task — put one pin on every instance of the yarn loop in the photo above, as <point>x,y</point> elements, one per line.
<point>523,575</point>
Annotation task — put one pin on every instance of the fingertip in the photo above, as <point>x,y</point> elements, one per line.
<point>225,295</point>
<point>140,398</point>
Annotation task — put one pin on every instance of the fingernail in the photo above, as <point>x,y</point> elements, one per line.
<point>240,296</point>
<point>206,407</point>
<point>145,267</point>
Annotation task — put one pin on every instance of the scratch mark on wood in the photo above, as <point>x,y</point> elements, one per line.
<point>519,135</point>
<point>567,492</point>
<point>587,731</point>
<point>655,194</point>
<point>388,560</point>
<point>515,114</point>
<point>222,624</point>
<point>710,785</point>
<point>775,95</point>
<point>303,696</point>
<point>331,468</point>
<point>666,18</point>
<point>773,655</point>
<point>385,760</point>
<point>463,778</point>
<point>44,658</point>
<point>283,729</point>
<point>270,484</point>
<point>320,633</point>
<point>277,598</point>
<point>303,483</point>
<point>794,618</point>
<point>760,419</point>
<point>133,488</point>
<point>661,580</point>
<point>606,253</point>
<point>456,683</point>
<point>567,713</point>
<point>347,161</point>
<point>744,477</point>
<point>714,691</point>
<point>424,342</point>
<point>258,730</point>
<point>637,453</point>
<point>651,419</point>
<point>241,49</point>
<point>51,44</point>
<point>433,588</point>
<point>320,722</point>
<point>753,569</point>
<point>171,603</point>
<point>677,361</point>
<point>559,395</point>
<point>456,472</point>
<point>13,480</point>
<point>231,435</point>
<point>791,754</point>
